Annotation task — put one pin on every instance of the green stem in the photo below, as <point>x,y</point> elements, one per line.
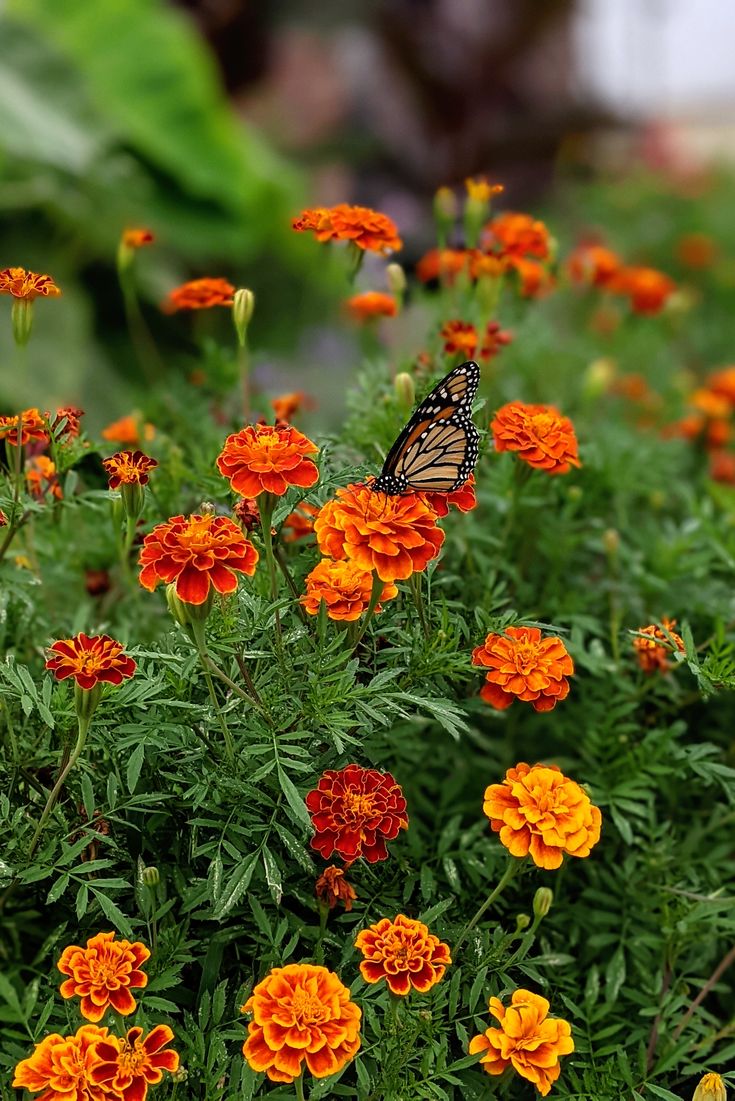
<point>266,504</point>
<point>510,870</point>
<point>280,559</point>
<point>377,589</point>
<point>252,698</point>
<point>54,795</point>
<point>418,599</point>
<point>319,949</point>
<point>145,348</point>
<point>243,363</point>
<point>197,630</point>
<point>299,1087</point>
<point>126,544</point>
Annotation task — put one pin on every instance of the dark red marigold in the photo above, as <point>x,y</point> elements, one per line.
<point>90,660</point>
<point>355,811</point>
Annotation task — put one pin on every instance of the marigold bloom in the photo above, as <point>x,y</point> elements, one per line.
<point>653,652</point>
<point>648,289</point>
<point>128,1067</point>
<point>593,265</point>
<point>332,887</point>
<point>262,458</point>
<point>365,228</point>
<point>494,340</point>
<point>514,234</point>
<point>711,1087</point>
<point>709,402</point>
<point>285,406</point>
<point>528,1040</point>
<point>404,953</point>
<point>541,435</point>
<point>62,1067</point>
<point>91,660</point>
<point>722,467</point>
<point>128,468</point>
<point>41,478</point>
<point>540,811</point>
<point>443,264</point>
<point>27,284</point>
<point>722,382</point>
<point>66,423</point>
<point>128,430</point>
<point>482,191</point>
<point>345,589</point>
<point>198,553</point>
<point>137,237</point>
<point>463,498</point>
<point>355,811</point>
<point>302,1014</point>
<point>486,264</point>
<point>199,294</point>
<point>371,304</point>
<point>395,536</point>
<point>459,337</point>
<point>523,665</point>
<point>32,427</point>
<point>248,514</point>
<point>536,280</point>
<point>299,523</point>
<point>103,973</point>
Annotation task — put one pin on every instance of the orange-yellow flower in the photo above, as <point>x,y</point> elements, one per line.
<point>354,811</point>
<point>365,228</point>
<point>395,536</point>
<point>648,290</point>
<point>404,953</point>
<point>539,811</point>
<point>262,458</point>
<point>463,498</point>
<point>299,523</point>
<point>302,1014</point>
<point>27,284</point>
<point>198,553</point>
<point>371,304</point>
<point>541,435</point>
<point>460,337</point>
<point>709,402</point>
<point>487,264</point>
<point>522,665</point>
<point>480,190</point>
<point>711,1087</point>
<point>443,264</point>
<point>127,1067</point>
<point>32,427</point>
<point>91,660</point>
<point>512,234</point>
<point>332,887</point>
<point>653,652</point>
<point>286,406</point>
<point>136,237</point>
<point>103,974</point>
<point>593,265</point>
<point>128,468</point>
<point>41,478</point>
<point>62,1067</point>
<point>536,280</point>
<point>528,1040</point>
<point>345,589</point>
<point>722,382</point>
<point>65,424</point>
<point>128,430</point>
<point>199,294</point>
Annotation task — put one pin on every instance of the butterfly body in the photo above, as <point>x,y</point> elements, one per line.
<point>437,450</point>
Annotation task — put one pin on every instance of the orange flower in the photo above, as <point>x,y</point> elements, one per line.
<point>302,1013</point>
<point>27,284</point>
<point>261,458</point>
<point>332,887</point>
<point>649,290</point>
<point>528,1040</point>
<point>198,553</point>
<point>128,468</point>
<point>136,237</point>
<point>696,250</point>
<point>723,383</point>
<point>128,1067</point>
<point>371,304</point>
<point>536,280</point>
<point>513,234</point>
<point>366,228</point>
<point>444,264</point>
<point>463,498</point>
<point>459,337</point>
<point>287,405</point>
<point>91,660</point>
<point>594,265</point>
<point>41,478</point>
<point>709,402</point>
<point>687,428</point>
<point>344,587</point>
<point>653,652</point>
<point>103,973</point>
<point>541,435</point>
<point>482,191</point>
<point>299,523</point>
<point>395,536</point>
<point>62,1067</point>
<point>722,467</point>
<point>494,340</point>
<point>128,430</point>
<point>65,424</point>
<point>404,953</point>
<point>32,427</point>
<point>486,264</point>
<point>199,294</point>
<point>523,665</point>
<point>355,811</point>
<point>540,811</point>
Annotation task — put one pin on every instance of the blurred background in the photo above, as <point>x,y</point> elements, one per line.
<point>215,122</point>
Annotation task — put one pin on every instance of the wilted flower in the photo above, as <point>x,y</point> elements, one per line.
<point>27,285</point>
<point>653,652</point>
<point>103,974</point>
<point>247,512</point>
<point>365,228</point>
<point>127,1067</point>
<point>371,304</point>
<point>128,468</point>
<point>262,458</point>
<point>90,660</point>
<point>62,1066</point>
<point>344,587</point>
<point>32,427</point>
<point>199,294</point>
<point>522,665</point>
<point>41,478</point>
<point>404,953</point>
<point>66,423</point>
<point>541,435</point>
<point>355,811</point>
<point>332,887</point>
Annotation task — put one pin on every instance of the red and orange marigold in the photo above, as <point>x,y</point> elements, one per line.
<point>539,811</point>
<point>32,427</point>
<point>404,953</point>
<point>128,468</point>
<point>367,229</point>
<point>102,974</point>
<point>345,589</point>
<point>199,294</point>
<point>302,1016</point>
<point>127,1067</point>
<point>332,887</point>
<point>198,553</point>
<point>62,1067</point>
<point>518,235</point>
<point>648,289</point>
<point>528,1040</point>
<point>91,660</point>
<point>371,304</point>
<point>263,458</point>
<point>655,650</point>
<point>593,265</point>
<point>354,812</point>
<point>128,430</point>
<point>27,285</point>
<point>541,435</point>
<point>394,536</point>
<point>41,478</point>
<point>463,498</point>
<point>522,665</point>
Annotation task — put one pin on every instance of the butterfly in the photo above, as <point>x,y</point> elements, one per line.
<point>437,450</point>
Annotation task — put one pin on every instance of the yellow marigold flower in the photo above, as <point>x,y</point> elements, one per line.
<point>404,953</point>
<point>710,1088</point>
<point>27,285</point>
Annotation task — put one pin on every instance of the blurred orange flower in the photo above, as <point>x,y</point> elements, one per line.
<point>366,228</point>
<point>302,1014</point>
<point>512,234</point>
<point>354,812</point>
<point>528,1040</point>
<point>286,406</point>
<point>444,264</point>
<point>27,284</point>
<point>722,382</point>
<point>462,338</point>
<point>127,1067</point>
<point>332,887</point>
<point>62,1066</point>
<point>41,478</point>
<point>541,435</point>
<point>395,536</point>
<point>463,498</point>
<point>523,665</point>
<point>262,458</point>
<point>648,290</point>
<point>371,304</point>
<point>199,294</point>
<point>404,953</point>
<point>137,237</point>
<point>653,652</point>
<point>696,250</point>
<point>128,430</point>
<point>91,660</point>
<point>128,468</point>
<point>66,423</point>
<point>103,973</point>
<point>299,523</point>
<point>198,553</point>
<point>536,280</point>
<point>708,401</point>
<point>32,427</point>
<point>486,264</point>
<point>593,265</point>
<point>345,589</point>
<point>722,467</point>
<point>539,811</point>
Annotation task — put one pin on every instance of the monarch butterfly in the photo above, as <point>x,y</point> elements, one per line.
<point>437,449</point>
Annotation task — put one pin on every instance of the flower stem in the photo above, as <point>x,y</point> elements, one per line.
<point>510,870</point>
<point>266,504</point>
<point>54,794</point>
<point>370,610</point>
<point>299,1087</point>
<point>243,363</point>
<point>142,341</point>
<point>197,631</point>
<point>418,599</point>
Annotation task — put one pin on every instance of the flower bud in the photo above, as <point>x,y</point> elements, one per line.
<point>21,316</point>
<point>611,541</point>
<point>180,1075</point>
<point>445,205</point>
<point>187,615</point>
<point>598,376</point>
<point>405,390</point>
<point>711,1088</point>
<point>522,922</point>
<point>133,499</point>
<point>396,279</point>
<point>151,876</point>
<point>542,901</point>
<point>242,311</point>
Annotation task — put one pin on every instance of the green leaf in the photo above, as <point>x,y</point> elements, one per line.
<point>272,876</point>
<point>294,800</point>
<point>236,886</point>
<point>114,914</point>
<point>135,764</point>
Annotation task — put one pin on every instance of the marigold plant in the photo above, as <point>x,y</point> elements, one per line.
<point>523,665</point>
<point>540,435</point>
<point>404,953</point>
<point>103,973</point>
<point>261,458</point>
<point>27,285</point>
<point>90,660</point>
<point>198,553</point>
<point>354,812</point>
<point>344,587</point>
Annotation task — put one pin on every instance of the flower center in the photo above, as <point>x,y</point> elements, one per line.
<point>308,1009</point>
<point>526,656</point>
<point>89,663</point>
<point>131,1060</point>
<point>197,535</point>
<point>542,423</point>
<point>359,804</point>
<point>101,971</point>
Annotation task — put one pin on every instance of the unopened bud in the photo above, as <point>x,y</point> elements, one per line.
<point>187,615</point>
<point>611,541</point>
<point>396,279</point>
<point>542,901</point>
<point>180,1075</point>
<point>243,305</point>
<point>133,499</point>
<point>151,876</point>
<point>445,204</point>
<point>207,508</point>
<point>21,316</point>
<point>405,390</point>
<point>598,376</point>
<point>575,493</point>
<point>522,922</point>
<point>711,1088</point>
